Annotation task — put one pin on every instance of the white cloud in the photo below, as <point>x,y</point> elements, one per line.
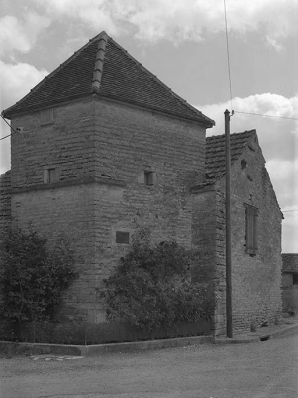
<point>4,148</point>
<point>284,178</point>
<point>17,80</point>
<point>21,35</point>
<point>99,14</point>
<point>283,175</point>
<point>178,20</point>
<point>278,137</point>
<point>273,43</point>
<point>290,232</point>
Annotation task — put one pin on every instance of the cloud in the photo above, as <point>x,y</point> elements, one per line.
<point>99,14</point>
<point>16,81</point>
<point>290,232</point>
<point>177,20</point>
<point>273,43</point>
<point>21,35</point>
<point>284,178</point>
<point>278,137</point>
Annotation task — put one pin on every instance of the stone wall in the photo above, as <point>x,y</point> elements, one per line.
<point>203,231</point>
<point>101,152</point>
<point>289,290</point>
<point>5,203</point>
<point>290,262</point>
<point>256,279</point>
<point>290,298</point>
<point>5,207</point>
<point>208,239</point>
<point>287,280</point>
<point>172,150</point>
<point>130,140</point>
<point>60,138</point>
<point>64,211</point>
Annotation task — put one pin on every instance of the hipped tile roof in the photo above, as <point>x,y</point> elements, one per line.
<point>103,67</point>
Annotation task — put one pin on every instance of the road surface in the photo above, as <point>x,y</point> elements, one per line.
<point>255,370</point>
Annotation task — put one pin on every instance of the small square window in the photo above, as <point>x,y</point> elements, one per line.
<point>295,279</point>
<point>50,176</point>
<point>122,237</point>
<point>47,116</point>
<point>149,177</point>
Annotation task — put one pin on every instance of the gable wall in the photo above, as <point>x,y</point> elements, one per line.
<point>256,280</point>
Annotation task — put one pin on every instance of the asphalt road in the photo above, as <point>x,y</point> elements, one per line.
<point>255,370</point>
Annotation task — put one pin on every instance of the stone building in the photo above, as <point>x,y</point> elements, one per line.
<point>256,231</point>
<point>290,282</point>
<point>103,147</point>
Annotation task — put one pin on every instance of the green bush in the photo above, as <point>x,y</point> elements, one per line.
<point>152,288</point>
<point>33,277</point>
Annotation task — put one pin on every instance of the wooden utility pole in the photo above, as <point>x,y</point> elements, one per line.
<point>228,229</point>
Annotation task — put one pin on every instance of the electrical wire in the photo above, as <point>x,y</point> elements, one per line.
<point>260,114</point>
<point>230,80</point>
<point>228,54</point>
<point>14,132</point>
<point>288,211</point>
<point>5,137</point>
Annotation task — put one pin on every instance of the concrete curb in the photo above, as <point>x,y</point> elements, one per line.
<point>260,335</point>
<point>146,345</point>
<point>89,350</point>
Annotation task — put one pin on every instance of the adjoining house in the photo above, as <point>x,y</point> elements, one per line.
<point>256,230</point>
<point>103,147</point>
<point>290,282</point>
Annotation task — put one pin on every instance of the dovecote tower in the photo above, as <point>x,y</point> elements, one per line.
<point>102,148</point>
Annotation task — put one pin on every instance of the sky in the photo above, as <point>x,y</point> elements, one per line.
<point>184,44</point>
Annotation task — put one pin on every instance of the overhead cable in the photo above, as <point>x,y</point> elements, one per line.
<point>228,55</point>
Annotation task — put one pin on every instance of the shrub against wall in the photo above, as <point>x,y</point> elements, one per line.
<point>152,287</point>
<point>33,277</point>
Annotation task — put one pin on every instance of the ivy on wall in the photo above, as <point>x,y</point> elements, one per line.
<point>152,287</point>
<point>32,276</point>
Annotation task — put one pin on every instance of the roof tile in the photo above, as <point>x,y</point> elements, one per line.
<point>215,152</point>
<point>122,78</point>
